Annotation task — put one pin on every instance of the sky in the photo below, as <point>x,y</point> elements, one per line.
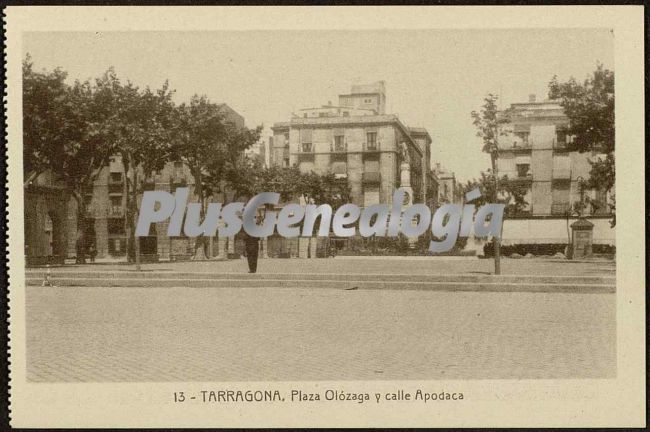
<point>434,78</point>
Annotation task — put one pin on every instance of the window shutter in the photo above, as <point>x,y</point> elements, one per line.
<point>305,135</point>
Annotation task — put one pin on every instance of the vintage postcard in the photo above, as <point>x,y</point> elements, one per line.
<point>326,217</point>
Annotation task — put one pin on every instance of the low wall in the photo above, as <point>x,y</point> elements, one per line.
<point>527,231</point>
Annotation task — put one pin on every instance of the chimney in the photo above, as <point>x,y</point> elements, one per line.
<point>531,98</point>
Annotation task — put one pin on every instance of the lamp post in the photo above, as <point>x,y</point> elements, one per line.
<point>581,189</point>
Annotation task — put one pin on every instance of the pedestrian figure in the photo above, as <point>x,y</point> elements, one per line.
<point>92,252</point>
<point>252,251</point>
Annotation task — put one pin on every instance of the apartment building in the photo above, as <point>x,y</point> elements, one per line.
<point>358,142</point>
<point>449,189</point>
<point>51,214</point>
<point>535,156</point>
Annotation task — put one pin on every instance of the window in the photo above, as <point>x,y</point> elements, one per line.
<point>116,226</point>
<point>286,162</point>
<point>117,246</point>
<point>560,137</point>
<point>560,199</point>
<point>322,114</point>
<point>116,177</point>
<point>305,140</point>
<point>371,140</point>
<point>178,170</point>
<point>523,170</point>
<point>286,139</point>
<point>115,208</point>
<point>367,101</point>
<point>346,113</point>
<point>339,143</point>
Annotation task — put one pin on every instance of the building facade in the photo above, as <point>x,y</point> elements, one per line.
<point>51,225</point>
<point>358,142</point>
<point>449,189</point>
<point>535,156</point>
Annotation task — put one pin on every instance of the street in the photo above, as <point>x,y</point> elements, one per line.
<point>257,334</point>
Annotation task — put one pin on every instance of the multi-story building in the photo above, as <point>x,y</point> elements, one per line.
<point>534,155</point>
<point>51,222</point>
<point>372,151</point>
<point>359,142</point>
<point>449,191</point>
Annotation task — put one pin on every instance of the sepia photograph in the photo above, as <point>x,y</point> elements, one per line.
<point>240,206</point>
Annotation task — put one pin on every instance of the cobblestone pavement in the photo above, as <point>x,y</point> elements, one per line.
<point>401,265</point>
<point>245,334</point>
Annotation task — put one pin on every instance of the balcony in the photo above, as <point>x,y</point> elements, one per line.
<point>115,212</point>
<point>116,179</point>
<point>306,157</point>
<point>521,146</point>
<point>370,146</point>
<point>339,147</point>
<point>371,177</point>
<point>560,208</point>
<point>560,145</point>
<point>115,188</point>
<point>520,178</point>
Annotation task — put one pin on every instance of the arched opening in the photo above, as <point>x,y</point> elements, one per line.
<point>53,235</point>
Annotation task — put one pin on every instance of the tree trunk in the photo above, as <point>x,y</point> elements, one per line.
<point>81,227</point>
<point>497,239</point>
<point>127,208</point>
<point>200,241</point>
<point>130,194</point>
<point>134,207</point>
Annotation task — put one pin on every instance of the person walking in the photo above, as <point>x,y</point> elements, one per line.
<point>92,252</point>
<point>252,245</point>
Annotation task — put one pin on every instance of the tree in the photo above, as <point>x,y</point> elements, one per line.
<point>239,173</point>
<point>320,189</point>
<point>63,133</point>
<point>323,189</point>
<point>590,108</point>
<point>487,123</point>
<point>211,147</point>
<point>140,129</point>
<point>509,193</point>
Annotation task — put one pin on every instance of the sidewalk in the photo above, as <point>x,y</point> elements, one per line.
<point>369,265</point>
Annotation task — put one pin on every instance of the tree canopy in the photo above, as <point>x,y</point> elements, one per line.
<point>72,131</point>
<point>590,108</point>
